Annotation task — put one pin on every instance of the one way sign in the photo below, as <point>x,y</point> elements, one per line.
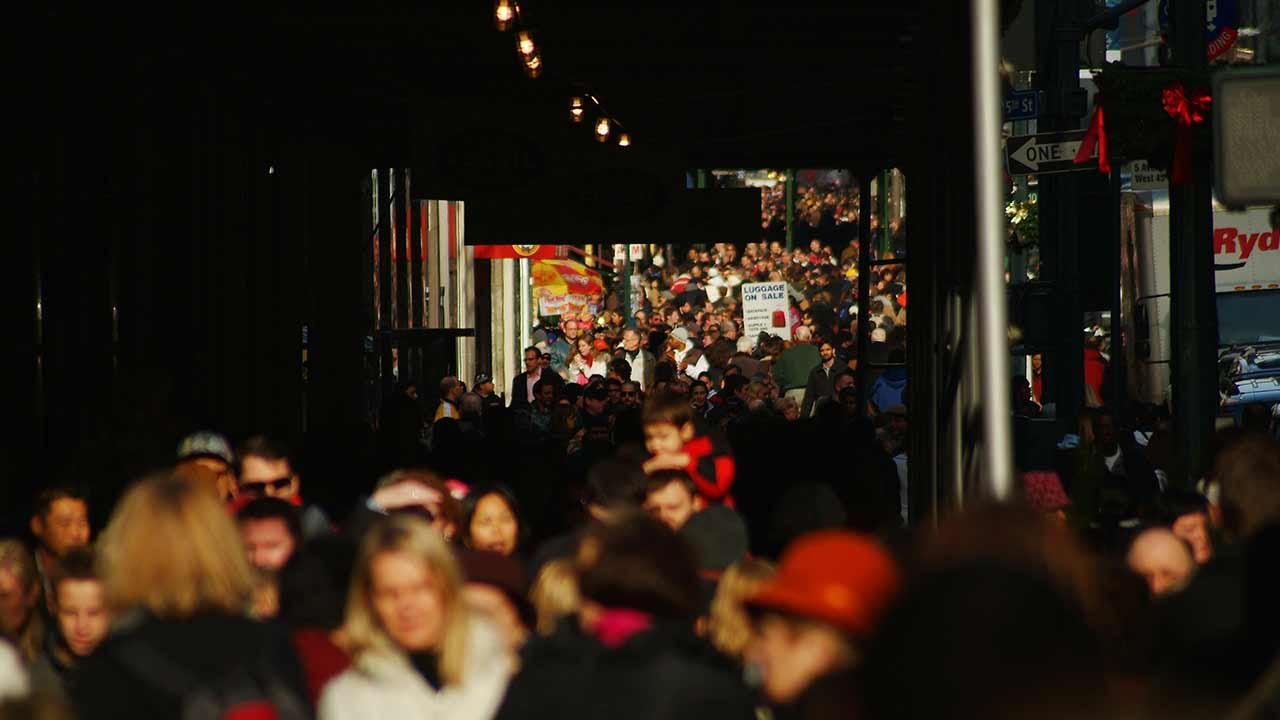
<point>1045,153</point>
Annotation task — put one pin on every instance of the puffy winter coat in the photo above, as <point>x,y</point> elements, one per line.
<point>381,685</point>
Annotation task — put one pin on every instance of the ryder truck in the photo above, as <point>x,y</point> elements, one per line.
<point>1246,249</point>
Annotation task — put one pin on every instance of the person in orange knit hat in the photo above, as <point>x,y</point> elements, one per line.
<point>814,616</point>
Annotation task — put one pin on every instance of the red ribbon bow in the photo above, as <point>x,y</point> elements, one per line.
<point>1097,135</point>
<point>1185,111</point>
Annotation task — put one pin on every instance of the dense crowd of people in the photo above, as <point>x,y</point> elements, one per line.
<point>659,518</point>
<point>668,579</point>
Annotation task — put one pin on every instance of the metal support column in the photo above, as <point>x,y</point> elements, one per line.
<point>864,289</point>
<point>992,328</point>
<point>626,287</point>
<point>790,195</point>
<point>1060,29</point>
<point>883,235</point>
<point>1194,317</point>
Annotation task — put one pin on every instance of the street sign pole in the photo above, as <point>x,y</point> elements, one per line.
<point>1059,29</point>
<point>1192,308</point>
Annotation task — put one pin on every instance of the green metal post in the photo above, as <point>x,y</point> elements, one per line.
<point>791,206</point>
<point>882,212</point>
<point>626,286</point>
<point>702,185</point>
<point>1192,311</point>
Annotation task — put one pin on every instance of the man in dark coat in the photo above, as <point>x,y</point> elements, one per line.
<point>522,385</point>
<point>820,379</point>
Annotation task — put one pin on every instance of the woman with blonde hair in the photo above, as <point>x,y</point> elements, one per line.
<point>555,594</point>
<point>417,651</point>
<point>20,622</point>
<point>176,577</point>
<point>729,627</point>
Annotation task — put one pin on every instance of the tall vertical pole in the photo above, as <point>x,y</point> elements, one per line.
<point>526,304</point>
<point>626,286</point>
<point>864,289</point>
<point>1059,30</point>
<point>882,211</point>
<point>992,330</point>
<point>790,194</point>
<point>1192,308</point>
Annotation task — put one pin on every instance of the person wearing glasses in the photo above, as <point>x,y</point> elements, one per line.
<point>522,385</point>
<point>267,470</point>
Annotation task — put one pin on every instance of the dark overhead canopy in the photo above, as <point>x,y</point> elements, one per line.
<point>717,83</point>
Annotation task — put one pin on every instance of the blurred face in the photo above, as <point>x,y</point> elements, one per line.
<point>532,361</point>
<point>630,394</point>
<point>1193,529</point>
<point>408,600</point>
<point>571,330</point>
<point>673,504</point>
<point>494,526</point>
<point>265,477</point>
<point>594,406</point>
<point>267,542</point>
<point>698,395</point>
<point>1105,430</point>
<point>850,403</point>
<point>544,362</point>
<point>82,615</point>
<point>65,527</point>
<point>1162,561</point>
<point>791,656</point>
<point>841,383</point>
<point>827,352</point>
<point>631,340</point>
<point>898,425</point>
<point>585,349</point>
<point>663,438</point>
<point>547,395</point>
<point>615,393</point>
<point>16,602</point>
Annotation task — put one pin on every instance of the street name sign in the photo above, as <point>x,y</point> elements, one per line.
<point>1144,177</point>
<point>1044,153</point>
<point>1022,105</point>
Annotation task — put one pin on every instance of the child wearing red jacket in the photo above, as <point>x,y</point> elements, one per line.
<point>673,441</point>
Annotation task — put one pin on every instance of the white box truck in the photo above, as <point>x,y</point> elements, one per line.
<point>1247,278</point>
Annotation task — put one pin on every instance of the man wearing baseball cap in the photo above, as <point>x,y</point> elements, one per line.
<point>484,388</point>
<point>813,617</point>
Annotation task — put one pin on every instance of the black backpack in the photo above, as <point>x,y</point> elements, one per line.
<point>246,692</point>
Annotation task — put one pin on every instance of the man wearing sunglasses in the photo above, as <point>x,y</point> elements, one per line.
<point>266,470</point>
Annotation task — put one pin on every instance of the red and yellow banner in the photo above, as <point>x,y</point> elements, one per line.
<point>563,286</point>
<point>517,252</point>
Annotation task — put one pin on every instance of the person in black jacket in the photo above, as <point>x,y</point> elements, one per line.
<point>631,652</point>
<point>819,386</point>
<point>521,387</point>
<point>177,578</point>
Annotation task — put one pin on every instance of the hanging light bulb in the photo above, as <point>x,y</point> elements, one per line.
<point>533,65</point>
<point>503,13</point>
<point>524,43</point>
<point>624,140</point>
<point>576,109</point>
<point>602,129</point>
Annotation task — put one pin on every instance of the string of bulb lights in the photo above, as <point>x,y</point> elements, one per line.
<point>507,17</point>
